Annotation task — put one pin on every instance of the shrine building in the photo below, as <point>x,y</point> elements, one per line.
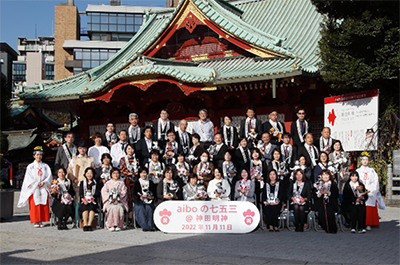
<point>213,54</point>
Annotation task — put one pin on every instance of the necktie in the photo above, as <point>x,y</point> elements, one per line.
<point>184,139</point>
<point>286,151</point>
<point>250,125</point>
<point>302,127</point>
<point>122,146</point>
<point>134,133</point>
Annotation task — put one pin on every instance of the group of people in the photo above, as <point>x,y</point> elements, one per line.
<point>131,172</point>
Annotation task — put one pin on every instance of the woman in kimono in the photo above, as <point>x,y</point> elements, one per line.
<point>63,202</point>
<point>370,179</point>
<point>129,165</point>
<point>144,192</point>
<point>244,188</point>
<point>168,189</point>
<point>218,188</point>
<point>114,198</point>
<point>272,200</point>
<point>87,196</point>
<point>354,196</point>
<point>35,189</point>
<point>299,193</point>
<point>326,201</point>
<point>204,169</point>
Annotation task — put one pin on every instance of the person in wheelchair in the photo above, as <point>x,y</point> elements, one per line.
<point>299,194</point>
<point>144,191</point>
<point>326,201</point>
<point>63,202</point>
<point>272,200</point>
<point>355,195</point>
<point>114,197</point>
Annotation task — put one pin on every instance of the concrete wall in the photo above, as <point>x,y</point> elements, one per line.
<point>34,68</point>
<point>67,27</point>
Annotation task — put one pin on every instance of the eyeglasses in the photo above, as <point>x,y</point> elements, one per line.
<point>301,113</point>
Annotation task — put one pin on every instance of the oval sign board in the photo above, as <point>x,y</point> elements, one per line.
<point>206,217</point>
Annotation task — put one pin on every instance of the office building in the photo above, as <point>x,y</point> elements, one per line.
<point>108,29</point>
<point>35,62</point>
<point>7,56</point>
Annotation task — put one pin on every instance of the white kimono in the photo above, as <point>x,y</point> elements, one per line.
<point>370,179</point>
<point>31,181</point>
<point>212,187</point>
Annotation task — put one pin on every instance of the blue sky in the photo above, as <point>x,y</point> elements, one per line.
<point>18,17</point>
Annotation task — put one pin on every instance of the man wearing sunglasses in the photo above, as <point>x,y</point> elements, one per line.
<point>299,128</point>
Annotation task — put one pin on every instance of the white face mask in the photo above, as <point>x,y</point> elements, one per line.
<point>203,159</point>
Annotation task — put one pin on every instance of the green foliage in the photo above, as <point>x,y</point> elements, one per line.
<point>360,45</point>
<point>388,132</point>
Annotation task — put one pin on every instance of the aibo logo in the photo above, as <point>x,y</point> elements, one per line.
<point>164,216</point>
<point>248,220</point>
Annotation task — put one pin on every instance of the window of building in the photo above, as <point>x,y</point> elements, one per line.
<point>91,58</point>
<point>49,71</point>
<point>19,72</point>
<point>111,22</point>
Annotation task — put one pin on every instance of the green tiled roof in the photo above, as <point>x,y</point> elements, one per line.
<point>296,22</point>
<point>183,71</point>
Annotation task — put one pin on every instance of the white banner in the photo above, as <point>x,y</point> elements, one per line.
<point>206,217</point>
<point>353,119</point>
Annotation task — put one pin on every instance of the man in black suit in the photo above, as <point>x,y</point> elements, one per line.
<point>65,152</point>
<point>135,133</point>
<point>183,137</point>
<point>229,133</point>
<point>110,137</point>
<point>309,151</point>
<point>275,128</point>
<point>251,127</point>
<point>217,150</point>
<point>299,128</point>
<point>145,145</point>
<point>161,127</point>
<point>325,142</point>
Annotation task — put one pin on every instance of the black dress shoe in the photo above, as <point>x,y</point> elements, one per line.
<point>59,228</point>
<point>85,228</point>
<point>90,228</point>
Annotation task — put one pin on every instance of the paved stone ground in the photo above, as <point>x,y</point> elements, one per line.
<point>21,244</point>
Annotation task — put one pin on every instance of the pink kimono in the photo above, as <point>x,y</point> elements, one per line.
<point>115,211</point>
